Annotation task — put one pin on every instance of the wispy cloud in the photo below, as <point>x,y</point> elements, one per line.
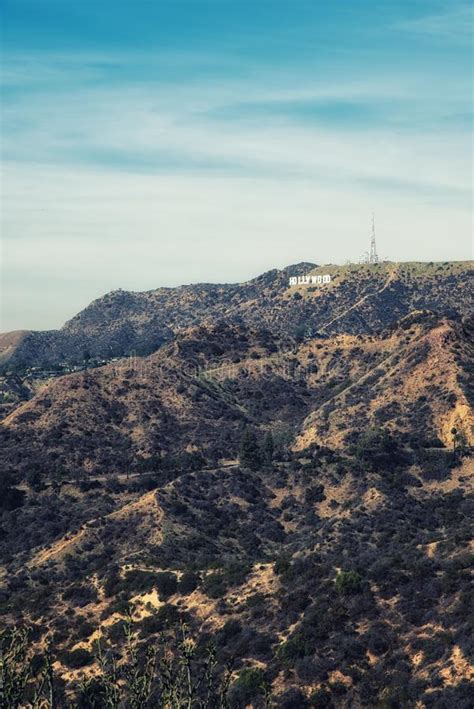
<point>139,167</point>
<point>454,23</point>
<point>260,126</point>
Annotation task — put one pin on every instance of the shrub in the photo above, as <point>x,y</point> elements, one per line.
<point>379,450</point>
<point>168,615</point>
<point>214,585</point>
<point>76,658</point>
<point>188,582</point>
<point>321,699</point>
<point>166,583</point>
<point>293,698</point>
<point>80,594</point>
<point>138,581</point>
<point>230,629</point>
<point>300,644</point>
<point>85,629</point>
<point>249,685</point>
<point>348,582</point>
<point>282,565</point>
<point>314,494</point>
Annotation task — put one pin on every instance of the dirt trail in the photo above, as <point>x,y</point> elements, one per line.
<point>147,503</point>
<point>57,548</point>
<point>309,420</point>
<point>389,280</point>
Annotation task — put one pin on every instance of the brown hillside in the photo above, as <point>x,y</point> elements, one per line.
<point>197,393</point>
<point>361,299</point>
<point>418,384</point>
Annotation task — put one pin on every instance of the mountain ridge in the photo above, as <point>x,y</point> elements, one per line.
<point>361,298</point>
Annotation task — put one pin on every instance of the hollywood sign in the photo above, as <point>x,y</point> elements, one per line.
<point>309,280</point>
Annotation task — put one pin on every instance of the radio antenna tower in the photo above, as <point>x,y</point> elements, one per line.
<point>373,257</point>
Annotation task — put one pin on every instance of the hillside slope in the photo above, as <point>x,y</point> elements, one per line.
<point>360,299</point>
<point>421,383</point>
<point>333,570</point>
<point>197,393</point>
<point>345,587</point>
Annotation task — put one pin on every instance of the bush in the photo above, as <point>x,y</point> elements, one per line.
<point>164,618</point>
<point>138,581</point>
<point>168,615</point>
<point>379,450</point>
<point>11,498</point>
<point>293,698</point>
<point>249,685</point>
<point>282,566</point>
<point>84,630</point>
<point>300,644</point>
<point>76,658</point>
<point>80,594</point>
<point>189,582</point>
<point>348,582</point>
<point>230,629</point>
<point>214,585</point>
<point>314,494</point>
<point>250,455</point>
<point>166,583</point>
<point>321,699</point>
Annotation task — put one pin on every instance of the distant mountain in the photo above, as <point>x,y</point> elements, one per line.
<point>360,299</point>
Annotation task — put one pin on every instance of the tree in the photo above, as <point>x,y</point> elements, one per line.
<point>268,449</point>
<point>460,442</point>
<point>35,480</point>
<point>11,497</point>
<point>250,455</point>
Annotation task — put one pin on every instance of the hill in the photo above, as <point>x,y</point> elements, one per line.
<point>341,579</point>
<point>198,392</point>
<point>420,383</point>
<point>292,484</point>
<point>360,299</point>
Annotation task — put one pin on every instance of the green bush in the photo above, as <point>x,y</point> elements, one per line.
<point>300,644</point>
<point>348,582</point>
<point>379,450</point>
<point>217,583</point>
<point>282,565</point>
<point>320,699</point>
<point>250,455</point>
<point>138,581</point>
<point>249,685</point>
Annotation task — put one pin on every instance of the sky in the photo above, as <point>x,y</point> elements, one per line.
<point>151,143</point>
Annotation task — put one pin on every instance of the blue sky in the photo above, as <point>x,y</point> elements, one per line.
<point>160,142</point>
